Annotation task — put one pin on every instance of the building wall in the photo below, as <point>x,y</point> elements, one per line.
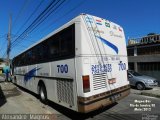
<point>145,58</point>
<point>150,68</point>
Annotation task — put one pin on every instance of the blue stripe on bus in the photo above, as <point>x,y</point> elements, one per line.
<point>29,75</point>
<point>111,45</point>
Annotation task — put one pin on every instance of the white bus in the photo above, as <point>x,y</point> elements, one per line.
<point>82,65</point>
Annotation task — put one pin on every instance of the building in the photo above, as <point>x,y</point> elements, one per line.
<point>2,64</point>
<point>144,55</point>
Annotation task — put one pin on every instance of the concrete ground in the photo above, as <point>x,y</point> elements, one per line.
<point>15,96</point>
<point>155,92</point>
<point>14,100</point>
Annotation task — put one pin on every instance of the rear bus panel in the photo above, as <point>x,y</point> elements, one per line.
<point>101,55</point>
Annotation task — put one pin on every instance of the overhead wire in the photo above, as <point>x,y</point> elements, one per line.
<point>39,19</point>
<point>2,44</point>
<point>29,18</point>
<point>65,14</point>
<point>69,11</point>
<point>49,14</point>
<point>33,22</point>
<point>4,54</point>
<point>26,28</point>
<point>14,42</point>
<point>24,6</point>
<point>38,6</point>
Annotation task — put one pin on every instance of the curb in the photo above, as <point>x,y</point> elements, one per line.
<point>150,94</point>
<point>153,93</point>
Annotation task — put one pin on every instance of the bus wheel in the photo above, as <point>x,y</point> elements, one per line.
<point>43,94</point>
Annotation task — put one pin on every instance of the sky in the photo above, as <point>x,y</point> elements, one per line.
<point>137,17</point>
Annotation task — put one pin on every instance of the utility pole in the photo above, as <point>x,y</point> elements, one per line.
<point>9,40</point>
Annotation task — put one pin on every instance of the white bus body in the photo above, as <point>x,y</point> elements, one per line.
<point>82,65</point>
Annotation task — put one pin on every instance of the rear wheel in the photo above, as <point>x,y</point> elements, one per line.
<point>140,86</point>
<point>43,93</point>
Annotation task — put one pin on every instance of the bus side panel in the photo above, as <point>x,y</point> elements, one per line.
<point>19,73</point>
<point>59,79</point>
<point>29,79</point>
<point>46,74</point>
<point>66,89</point>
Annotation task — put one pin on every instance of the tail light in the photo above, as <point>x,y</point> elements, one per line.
<point>86,83</point>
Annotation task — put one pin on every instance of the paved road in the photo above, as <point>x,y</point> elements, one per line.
<point>15,101</point>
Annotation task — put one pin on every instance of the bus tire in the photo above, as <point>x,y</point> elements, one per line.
<point>43,93</point>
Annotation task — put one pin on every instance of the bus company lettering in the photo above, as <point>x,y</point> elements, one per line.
<point>94,29</point>
<point>115,35</point>
<point>21,71</point>
<point>44,74</point>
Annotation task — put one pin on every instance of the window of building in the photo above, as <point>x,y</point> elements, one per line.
<point>151,66</point>
<point>148,50</point>
<point>130,51</point>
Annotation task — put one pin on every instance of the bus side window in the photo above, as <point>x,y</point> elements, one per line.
<point>43,52</point>
<point>67,44</point>
<point>54,46</point>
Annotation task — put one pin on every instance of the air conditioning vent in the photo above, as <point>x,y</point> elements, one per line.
<point>99,81</point>
<point>65,91</point>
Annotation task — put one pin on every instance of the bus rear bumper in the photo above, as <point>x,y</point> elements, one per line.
<point>92,103</point>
